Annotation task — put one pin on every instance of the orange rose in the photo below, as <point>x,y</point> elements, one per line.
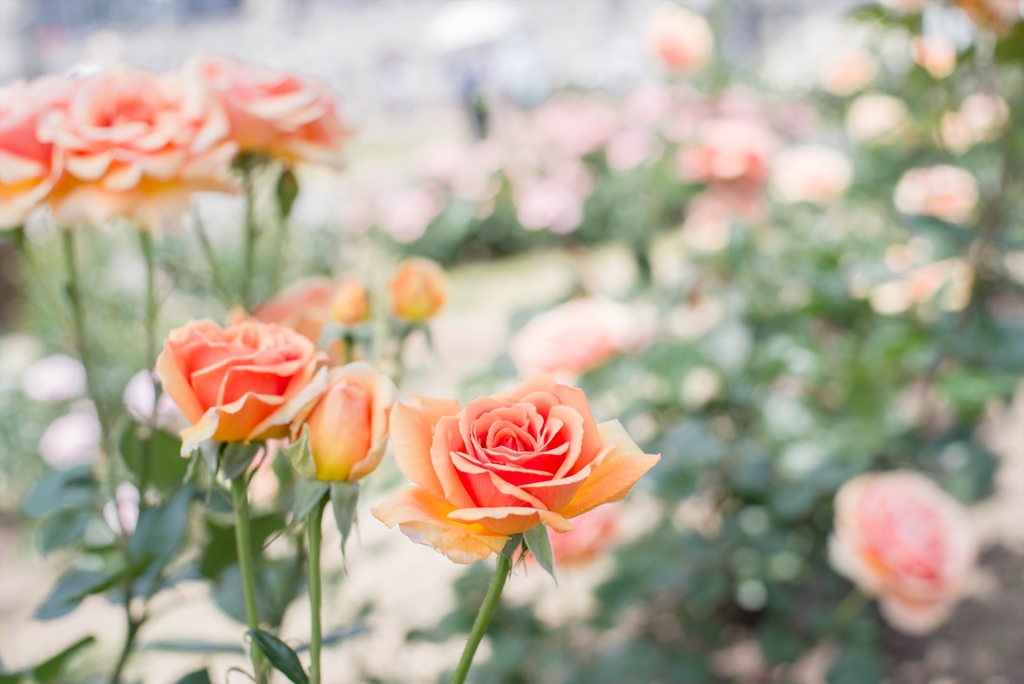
<point>681,40</point>
<point>136,146</point>
<point>29,167</point>
<point>276,112</point>
<point>303,306</point>
<point>350,303</point>
<point>348,427</point>
<point>901,538</point>
<point>418,289</point>
<point>849,72</point>
<point>504,464</point>
<point>246,382</point>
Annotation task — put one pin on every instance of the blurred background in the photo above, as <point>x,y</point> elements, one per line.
<point>771,328</point>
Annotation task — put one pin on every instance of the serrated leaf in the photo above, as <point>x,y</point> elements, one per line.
<point>301,456</point>
<point>237,457</point>
<point>280,655</point>
<point>50,669</point>
<point>344,497</point>
<point>308,494</point>
<point>539,544</point>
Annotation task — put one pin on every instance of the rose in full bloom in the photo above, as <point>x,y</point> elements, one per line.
<point>504,464</point>
<point>348,426</point>
<point>418,289</point>
<point>577,336</point>
<point>998,16</point>
<point>811,173</point>
<point>350,303</point>
<point>945,192</point>
<point>275,112</point>
<point>304,306</point>
<point>737,150</point>
<point>900,538</point>
<point>246,382</point>
<point>681,40</point>
<point>849,72</point>
<point>875,117</point>
<point>136,146</point>
<point>29,167</point>
<point>937,55</point>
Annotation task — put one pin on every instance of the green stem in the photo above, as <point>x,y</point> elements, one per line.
<point>483,619</point>
<point>847,611</point>
<point>152,312</point>
<point>250,239</point>
<point>314,523</point>
<point>243,540</point>
<point>129,642</point>
<point>19,240</point>
<point>204,243</point>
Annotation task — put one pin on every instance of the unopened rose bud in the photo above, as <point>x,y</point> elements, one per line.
<point>350,303</point>
<point>418,289</point>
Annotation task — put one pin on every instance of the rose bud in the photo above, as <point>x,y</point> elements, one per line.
<point>243,383</point>
<point>303,306</point>
<point>348,426</point>
<point>418,289</point>
<point>899,537</point>
<point>350,303</point>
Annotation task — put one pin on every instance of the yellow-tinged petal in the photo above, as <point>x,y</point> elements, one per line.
<point>614,472</point>
<point>511,519</point>
<point>424,519</point>
<point>412,432</point>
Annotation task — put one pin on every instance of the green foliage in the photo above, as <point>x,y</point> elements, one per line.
<point>280,655</point>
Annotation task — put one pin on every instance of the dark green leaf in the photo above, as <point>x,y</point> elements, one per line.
<point>69,592</point>
<point>337,636</point>
<point>512,545</point>
<point>187,646</point>
<point>301,457</point>
<point>49,670</point>
<point>63,529</point>
<point>197,677</point>
<point>539,544</point>
<point>280,655</point>
<point>221,551</point>
<point>1012,46</point>
<point>166,467</point>
<point>344,497</point>
<point>237,457</point>
<point>278,582</point>
<point>61,490</point>
<point>287,191</point>
<point>308,494</point>
<point>11,677</point>
<point>158,536</point>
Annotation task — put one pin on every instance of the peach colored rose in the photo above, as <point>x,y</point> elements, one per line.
<point>504,464</point>
<point>998,16</point>
<point>737,150</point>
<point>875,117</point>
<point>348,426</point>
<point>811,173</point>
<point>935,54</point>
<point>849,73</point>
<point>29,167</point>
<point>304,306</point>
<point>681,40</point>
<point>900,538</point>
<point>710,213</point>
<point>418,289</point>
<point>946,192</point>
<point>985,114</point>
<point>246,382</point>
<point>136,146</point>
<point>350,303</point>
<point>953,278</point>
<point>577,336</point>
<point>275,112</point>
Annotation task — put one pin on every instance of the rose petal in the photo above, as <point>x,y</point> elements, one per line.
<point>510,520</point>
<point>412,433</point>
<point>446,439</point>
<point>487,488</point>
<point>914,618</point>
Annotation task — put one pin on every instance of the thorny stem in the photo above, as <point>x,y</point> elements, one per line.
<point>483,619</point>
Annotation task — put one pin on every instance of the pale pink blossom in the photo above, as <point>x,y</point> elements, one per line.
<point>849,73</point>
<point>937,55</point>
<point>906,6</point>
<point>811,173</point>
<point>549,203</point>
<point>679,38</point>
<point>122,514</point>
<point>875,117</point>
<point>406,213</point>
<point>945,192</point>
<point>575,124</point>
<point>729,150</point>
<point>591,535</point>
<point>73,439</point>
<point>986,114</point>
<point>709,216</point>
<point>58,377</point>
<point>902,539</point>
<point>998,16</point>
<point>630,148</point>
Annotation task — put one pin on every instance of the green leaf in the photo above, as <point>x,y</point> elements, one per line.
<point>278,582</point>
<point>308,494</point>
<point>287,191</point>
<point>280,655</point>
<point>857,664</point>
<point>166,466</point>
<point>344,497</point>
<point>61,490</point>
<point>512,545</point>
<point>1012,46</point>
<point>158,535</point>
<point>197,677</point>
<point>337,636</point>
<point>539,544</point>
<point>49,670</point>
<point>11,677</point>
<point>63,529</point>
<point>301,456</point>
<point>210,452</point>
<point>69,592</point>
<point>237,457</point>
<point>220,551</point>
<point>188,646</point>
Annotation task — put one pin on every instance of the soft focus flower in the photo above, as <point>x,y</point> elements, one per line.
<point>577,336</point>
<point>945,192</point>
<point>29,167</point>
<point>71,440</point>
<point>849,73</point>
<point>58,377</point>
<point>937,55</point>
<point>954,278</point>
<point>998,16</point>
<point>549,203</point>
<point>899,537</point>
<point>303,306</point>
<point>955,132</point>
<point>729,150</point>
<point>575,124</point>
<point>406,214</point>
<point>136,146</point>
<point>811,173</point>
<point>504,464</point>
<point>590,535</point>
<point>709,216</point>
<point>418,289</point>
<point>872,117</point>
<point>701,385</point>
<point>350,302</point>
<point>906,6</point>
<point>122,514</point>
<point>630,148</point>
<point>986,114</point>
<point>141,401</point>
<point>681,40</point>
<point>264,485</point>
<point>348,427</point>
<point>274,112</point>
<point>246,382</point>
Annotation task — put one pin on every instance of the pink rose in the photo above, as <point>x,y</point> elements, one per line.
<point>937,55</point>
<point>945,192</point>
<point>875,117</point>
<point>577,336</point>
<point>549,203</point>
<point>986,114</point>
<point>275,112</point>
<point>406,214</point>
<point>29,167</point>
<point>681,40</point>
<point>575,124</point>
<point>136,146</point>
<point>849,72</point>
<point>630,148</point>
<point>899,537</point>
<point>737,150</point>
<point>811,173</point>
